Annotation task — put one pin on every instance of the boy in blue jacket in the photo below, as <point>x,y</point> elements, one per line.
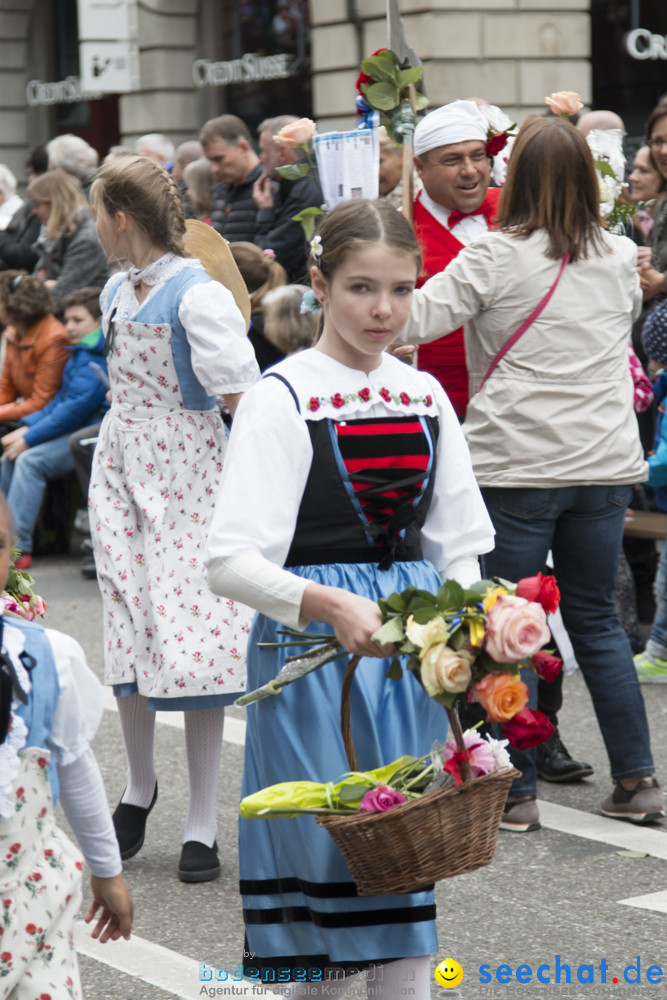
<point>38,450</point>
<point>652,663</point>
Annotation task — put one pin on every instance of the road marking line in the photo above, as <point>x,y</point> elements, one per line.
<point>234,730</point>
<point>627,836</point>
<point>160,967</point>
<point>652,901</point>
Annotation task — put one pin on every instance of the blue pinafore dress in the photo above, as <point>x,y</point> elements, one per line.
<point>358,528</point>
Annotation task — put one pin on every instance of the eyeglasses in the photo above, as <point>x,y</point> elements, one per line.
<point>657,143</point>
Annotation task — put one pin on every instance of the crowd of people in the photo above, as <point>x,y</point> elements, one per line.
<point>226,469</point>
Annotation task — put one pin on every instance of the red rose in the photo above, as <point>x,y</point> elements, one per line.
<point>428,400</point>
<point>30,928</point>
<point>6,956</point>
<point>496,143</point>
<point>42,762</point>
<point>405,399</point>
<point>541,589</point>
<point>365,395</point>
<point>78,864</point>
<point>386,395</point>
<point>528,728</point>
<point>36,877</point>
<point>337,401</point>
<point>44,996</point>
<point>314,404</point>
<point>14,848</point>
<point>546,665</point>
<point>364,78</point>
<point>6,902</point>
<point>48,852</point>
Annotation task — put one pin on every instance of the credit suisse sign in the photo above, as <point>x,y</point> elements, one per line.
<point>643,44</point>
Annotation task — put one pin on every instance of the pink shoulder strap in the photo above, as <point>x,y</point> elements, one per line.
<point>527,323</point>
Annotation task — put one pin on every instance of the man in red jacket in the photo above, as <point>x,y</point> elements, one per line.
<point>455,206</point>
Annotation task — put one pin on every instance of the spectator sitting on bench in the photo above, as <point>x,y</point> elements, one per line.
<point>38,450</point>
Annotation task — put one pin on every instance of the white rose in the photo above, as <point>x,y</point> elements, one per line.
<point>426,635</point>
<point>445,669</point>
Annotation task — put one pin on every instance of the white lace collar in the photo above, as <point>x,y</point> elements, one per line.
<point>159,270</point>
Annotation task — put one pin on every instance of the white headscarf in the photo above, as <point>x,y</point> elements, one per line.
<point>459,121</point>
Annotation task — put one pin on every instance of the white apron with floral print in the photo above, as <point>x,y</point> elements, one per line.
<point>152,494</point>
<point>40,892</point>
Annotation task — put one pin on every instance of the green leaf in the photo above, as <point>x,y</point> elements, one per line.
<point>408,76</point>
<point>391,631</point>
<point>450,596</point>
<point>353,793</point>
<point>456,638</point>
<point>604,168</point>
<point>293,171</point>
<point>381,67</point>
<point>421,102</point>
<point>424,615</point>
<point>383,96</point>
<point>395,672</point>
<point>395,602</point>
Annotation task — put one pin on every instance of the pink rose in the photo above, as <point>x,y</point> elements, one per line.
<point>38,605</point>
<point>564,102</point>
<point>380,799</point>
<point>296,134</point>
<point>516,629</point>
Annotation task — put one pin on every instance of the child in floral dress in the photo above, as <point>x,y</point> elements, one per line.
<point>175,341</point>
<point>50,707</point>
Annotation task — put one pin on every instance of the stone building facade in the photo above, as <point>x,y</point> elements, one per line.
<point>192,52</point>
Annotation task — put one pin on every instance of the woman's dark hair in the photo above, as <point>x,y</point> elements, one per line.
<point>656,115</point>
<point>37,160</point>
<point>552,184</point>
<point>24,298</point>
<point>143,189</point>
<point>352,225</point>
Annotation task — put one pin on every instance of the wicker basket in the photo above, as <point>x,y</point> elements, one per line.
<point>437,836</point>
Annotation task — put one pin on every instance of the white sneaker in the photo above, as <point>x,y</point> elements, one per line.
<point>82,521</point>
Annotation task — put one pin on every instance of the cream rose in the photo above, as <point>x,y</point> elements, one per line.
<point>516,629</point>
<point>564,102</point>
<point>296,134</point>
<point>426,635</point>
<point>445,669</point>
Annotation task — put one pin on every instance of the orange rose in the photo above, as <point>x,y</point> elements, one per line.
<point>502,695</point>
<point>564,102</point>
<point>296,134</point>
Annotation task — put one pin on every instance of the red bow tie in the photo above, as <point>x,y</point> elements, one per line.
<point>455,217</point>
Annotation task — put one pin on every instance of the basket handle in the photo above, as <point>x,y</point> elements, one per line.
<point>345,716</point>
<point>346,722</point>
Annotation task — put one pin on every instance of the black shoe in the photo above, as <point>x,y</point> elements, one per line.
<point>555,764</point>
<point>130,826</point>
<point>198,863</point>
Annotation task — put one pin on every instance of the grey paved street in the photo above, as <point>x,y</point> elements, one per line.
<point>562,891</point>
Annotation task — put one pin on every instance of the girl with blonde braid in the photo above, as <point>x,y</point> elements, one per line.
<point>175,341</point>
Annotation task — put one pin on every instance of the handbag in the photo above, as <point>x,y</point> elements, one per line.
<point>511,341</point>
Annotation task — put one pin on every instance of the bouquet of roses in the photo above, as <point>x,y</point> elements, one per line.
<point>462,645</point>
<point>18,598</point>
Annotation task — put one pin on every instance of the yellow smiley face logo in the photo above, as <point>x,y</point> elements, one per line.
<point>449,973</point>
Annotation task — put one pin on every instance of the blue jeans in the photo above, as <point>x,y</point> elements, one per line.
<point>583,527</point>
<point>23,482</point>
<point>659,627</point>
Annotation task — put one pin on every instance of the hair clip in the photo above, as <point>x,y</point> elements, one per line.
<point>309,303</point>
<point>16,282</point>
<point>269,254</point>
<point>316,247</point>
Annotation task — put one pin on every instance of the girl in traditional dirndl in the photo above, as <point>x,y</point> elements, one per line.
<point>175,341</point>
<point>50,707</point>
<point>347,478</point>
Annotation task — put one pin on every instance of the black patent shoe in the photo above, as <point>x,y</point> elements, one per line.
<point>130,826</point>
<point>554,762</point>
<point>198,863</point>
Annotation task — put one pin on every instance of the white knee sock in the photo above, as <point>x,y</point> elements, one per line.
<point>138,726</point>
<point>317,990</point>
<point>203,741</point>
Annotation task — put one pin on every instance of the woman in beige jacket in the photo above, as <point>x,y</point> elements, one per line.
<point>552,432</point>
